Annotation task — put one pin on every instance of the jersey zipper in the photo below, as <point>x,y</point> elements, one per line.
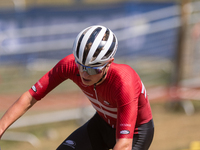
<point>98,101</point>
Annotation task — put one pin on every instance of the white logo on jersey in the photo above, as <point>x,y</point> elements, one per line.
<point>40,85</point>
<point>106,102</point>
<point>125,125</point>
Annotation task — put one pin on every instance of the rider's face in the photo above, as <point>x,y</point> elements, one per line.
<point>91,79</point>
<point>88,79</point>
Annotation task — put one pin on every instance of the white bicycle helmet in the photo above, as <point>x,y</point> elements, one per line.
<point>95,46</point>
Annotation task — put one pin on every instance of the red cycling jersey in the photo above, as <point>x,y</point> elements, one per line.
<point>121,99</point>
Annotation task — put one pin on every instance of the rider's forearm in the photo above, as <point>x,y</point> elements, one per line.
<point>123,144</point>
<point>15,111</point>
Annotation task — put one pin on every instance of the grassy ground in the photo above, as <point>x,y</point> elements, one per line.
<point>173,131</point>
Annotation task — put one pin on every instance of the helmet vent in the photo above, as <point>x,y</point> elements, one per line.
<point>101,45</point>
<point>109,52</point>
<point>78,46</point>
<point>95,46</point>
<point>96,64</point>
<point>90,42</point>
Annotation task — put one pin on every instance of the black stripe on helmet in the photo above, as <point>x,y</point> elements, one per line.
<point>90,42</point>
<point>78,46</point>
<point>100,47</point>
<point>111,49</point>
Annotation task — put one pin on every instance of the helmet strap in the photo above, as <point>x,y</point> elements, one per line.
<point>101,78</point>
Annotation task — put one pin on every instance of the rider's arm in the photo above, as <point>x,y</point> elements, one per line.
<point>127,93</point>
<point>25,102</point>
<point>123,144</point>
<point>62,71</point>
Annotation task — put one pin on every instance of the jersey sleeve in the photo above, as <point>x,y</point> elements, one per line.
<point>63,70</point>
<point>127,105</point>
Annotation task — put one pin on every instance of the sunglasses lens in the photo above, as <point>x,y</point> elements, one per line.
<point>89,70</point>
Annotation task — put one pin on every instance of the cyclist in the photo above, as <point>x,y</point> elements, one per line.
<point>123,118</point>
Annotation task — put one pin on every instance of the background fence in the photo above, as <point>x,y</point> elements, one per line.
<point>147,32</point>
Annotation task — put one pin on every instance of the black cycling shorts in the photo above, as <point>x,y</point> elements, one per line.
<point>96,134</point>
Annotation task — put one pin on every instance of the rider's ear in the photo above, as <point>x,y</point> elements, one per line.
<point>109,63</point>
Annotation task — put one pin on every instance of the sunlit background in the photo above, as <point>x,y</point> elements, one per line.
<point>160,39</point>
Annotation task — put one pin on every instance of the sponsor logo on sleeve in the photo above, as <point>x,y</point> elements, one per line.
<point>39,84</point>
<point>124,132</point>
<point>125,125</point>
<point>70,143</point>
<point>34,88</point>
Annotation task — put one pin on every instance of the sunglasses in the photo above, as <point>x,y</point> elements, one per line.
<point>90,70</point>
